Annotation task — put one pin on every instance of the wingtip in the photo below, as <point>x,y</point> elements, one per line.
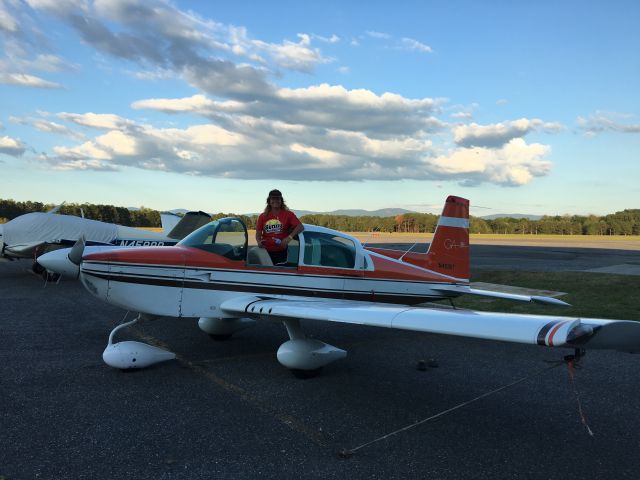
<point>549,301</point>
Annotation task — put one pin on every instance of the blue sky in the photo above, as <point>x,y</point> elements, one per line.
<point>522,107</point>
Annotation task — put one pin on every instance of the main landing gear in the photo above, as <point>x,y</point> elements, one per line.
<point>224,328</point>
<point>304,356</point>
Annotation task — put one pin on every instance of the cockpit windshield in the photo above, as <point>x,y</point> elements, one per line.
<point>226,237</point>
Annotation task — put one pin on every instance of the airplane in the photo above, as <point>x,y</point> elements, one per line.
<point>33,234</point>
<point>214,276</point>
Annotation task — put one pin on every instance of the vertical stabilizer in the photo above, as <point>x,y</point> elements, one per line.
<point>169,221</point>
<point>190,222</point>
<point>449,249</point>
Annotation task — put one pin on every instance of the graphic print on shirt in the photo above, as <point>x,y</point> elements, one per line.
<point>273,226</point>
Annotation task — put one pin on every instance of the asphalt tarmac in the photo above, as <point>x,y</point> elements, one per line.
<point>230,410</point>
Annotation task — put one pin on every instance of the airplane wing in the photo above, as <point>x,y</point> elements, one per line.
<point>550,331</point>
<point>507,296</point>
<point>23,249</point>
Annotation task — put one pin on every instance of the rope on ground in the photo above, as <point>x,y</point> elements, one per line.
<point>348,453</point>
<point>571,366</point>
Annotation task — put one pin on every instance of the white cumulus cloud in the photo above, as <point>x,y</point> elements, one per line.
<point>497,134</point>
<point>7,22</point>
<point>332,39</point>
<point>293,55</point>
<point>104,121</point>
<point>412,44</point>
<point>26,80</point>
<point>11,146</point>
<point>325,106</point>
<point>514,164</point>
<point>600,122</point>
<point>375,34</point>
<point>250,126</point>
<point>47,126</point>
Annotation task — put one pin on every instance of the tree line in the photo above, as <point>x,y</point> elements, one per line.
<point>626,222</point>
<point>143,217</point>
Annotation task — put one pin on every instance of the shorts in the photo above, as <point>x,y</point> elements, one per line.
<point>278,257</point>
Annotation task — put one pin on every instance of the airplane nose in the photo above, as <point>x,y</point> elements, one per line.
<point>58,262</point>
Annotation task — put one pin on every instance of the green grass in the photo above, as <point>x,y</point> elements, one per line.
<point>595,295</point>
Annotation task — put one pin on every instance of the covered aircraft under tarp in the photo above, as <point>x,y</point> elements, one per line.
<point>40,228</point>
<point>32,234</point>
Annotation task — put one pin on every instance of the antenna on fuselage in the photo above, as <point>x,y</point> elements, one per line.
<point>375,230</point>
<point>409,250</point>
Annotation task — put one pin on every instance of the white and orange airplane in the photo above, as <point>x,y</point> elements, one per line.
<point>214,275</point>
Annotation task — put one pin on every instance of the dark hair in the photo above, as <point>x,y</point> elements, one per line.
<point>277,194</point>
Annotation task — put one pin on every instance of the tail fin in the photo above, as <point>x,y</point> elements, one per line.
<point>449,250</point>
<point>169,221</point>
<point>57,208</point>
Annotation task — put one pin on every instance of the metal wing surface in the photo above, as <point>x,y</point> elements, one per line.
<point>550,331</point>
<point>26,249</point>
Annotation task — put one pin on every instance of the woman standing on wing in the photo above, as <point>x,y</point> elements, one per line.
<point>276,227</point>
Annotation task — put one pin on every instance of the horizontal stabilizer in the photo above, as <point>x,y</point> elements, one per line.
<point>463,289</point>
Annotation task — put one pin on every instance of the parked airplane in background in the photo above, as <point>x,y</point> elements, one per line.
<point>32,234</point>
<point>330,276</point>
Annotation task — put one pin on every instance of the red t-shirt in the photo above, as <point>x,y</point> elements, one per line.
<point>276,227</point>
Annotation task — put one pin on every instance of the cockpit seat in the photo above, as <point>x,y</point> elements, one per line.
<point>259,256</point>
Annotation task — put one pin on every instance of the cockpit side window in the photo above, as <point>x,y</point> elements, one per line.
<point>226,237</point>
<point>326,250</point>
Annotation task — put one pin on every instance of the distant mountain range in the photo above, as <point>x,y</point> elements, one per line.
<point>383,212</point>
<point>353,212</point>
<point>511,215</point>
<point>177,211</point>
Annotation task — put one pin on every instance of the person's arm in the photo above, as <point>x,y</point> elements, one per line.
<point>259,226</point>
<point>298,228</point>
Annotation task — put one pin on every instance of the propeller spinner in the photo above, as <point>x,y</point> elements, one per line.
<point>65,262</point>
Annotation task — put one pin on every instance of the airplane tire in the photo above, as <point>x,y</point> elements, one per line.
<point>37,268</point>
<point>50,277</point>
<point>305,374</point>
<point>220,337</point>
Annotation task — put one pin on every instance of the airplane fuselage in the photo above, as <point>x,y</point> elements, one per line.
<point>188,282</point>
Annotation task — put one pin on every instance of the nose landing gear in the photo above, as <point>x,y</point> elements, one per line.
<point>130,354</point>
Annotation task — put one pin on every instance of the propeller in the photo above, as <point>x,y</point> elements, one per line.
<point>65,262</point>
<point>75,255</point>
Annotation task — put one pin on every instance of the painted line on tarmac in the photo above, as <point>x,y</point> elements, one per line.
<point>293,423</point>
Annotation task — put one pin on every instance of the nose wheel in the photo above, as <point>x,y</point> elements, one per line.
<point>129,354</point>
